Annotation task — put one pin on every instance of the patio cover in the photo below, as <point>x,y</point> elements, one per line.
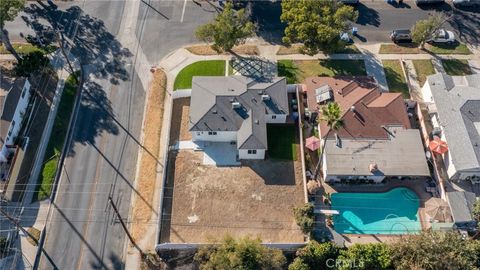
<point>461,204</point>
<point>312,143</point>
<point>438,210</point>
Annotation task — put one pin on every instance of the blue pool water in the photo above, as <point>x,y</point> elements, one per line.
<point>393,212</point>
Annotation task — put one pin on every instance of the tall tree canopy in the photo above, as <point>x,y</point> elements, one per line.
<point>315,256</point>
<point>365,257</point>
<point>241,254</point>
<point>9,9</point>
<point>423,30</point>
<point>316,24</point>
<point>230,28</point>
<point>435,250</point>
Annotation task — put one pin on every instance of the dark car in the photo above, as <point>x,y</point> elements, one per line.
<point>401,36</point>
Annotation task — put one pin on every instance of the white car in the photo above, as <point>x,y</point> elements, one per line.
<point>442,36</point>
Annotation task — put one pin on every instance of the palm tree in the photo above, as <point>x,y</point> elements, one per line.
<point>332,115</point>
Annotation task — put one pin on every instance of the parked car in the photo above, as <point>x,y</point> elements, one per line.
<point>402,35</point>
<point>424,2</point>
<point>442,36</point>
<point>458,3</point>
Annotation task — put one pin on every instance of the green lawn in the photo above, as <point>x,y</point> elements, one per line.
<point>423,69</point>
<point>297,70</point>
<point>200,68</point>
<point>281,142</point>
<point>57,139</point>
<point>395,78</point>
<point>456,67</point>
<point>411,48</point>
<point>26,48</point>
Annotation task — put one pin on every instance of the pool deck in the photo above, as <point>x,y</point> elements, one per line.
<point>417,186</point>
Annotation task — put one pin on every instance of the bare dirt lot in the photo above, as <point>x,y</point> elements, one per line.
<point>179,129</point>
<point>255,199</point>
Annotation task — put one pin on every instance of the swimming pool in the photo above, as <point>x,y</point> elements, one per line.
<point>392,212</point>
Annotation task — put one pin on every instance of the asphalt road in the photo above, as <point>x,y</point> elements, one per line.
<point>377,19</point>
<point>83,232</point>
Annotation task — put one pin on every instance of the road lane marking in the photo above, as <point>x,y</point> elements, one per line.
<point>183,11</point>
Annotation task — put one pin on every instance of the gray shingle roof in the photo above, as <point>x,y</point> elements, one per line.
<point>211,107</point>
<point>457,100</point>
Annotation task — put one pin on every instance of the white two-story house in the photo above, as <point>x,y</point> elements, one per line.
<point>236,109</point>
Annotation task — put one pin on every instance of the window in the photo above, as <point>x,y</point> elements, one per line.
<point>274,117</point>
<point>212,133</point>
<point>252,152</point>
<point>23,92</point>
<point>11,128</point>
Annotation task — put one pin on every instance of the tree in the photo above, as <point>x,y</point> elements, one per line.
<point>476,211</point>
<point>365,256</point>
<point>244,253</point>
<point>304,217</point>
<point>9,9</point>
<point>423,30</point>
<point>332,115</point>
<point>435,250</point>
<point>230,28</point>
<point>315,256</point>
<point>316,24</point>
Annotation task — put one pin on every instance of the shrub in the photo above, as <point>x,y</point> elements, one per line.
<point>304,217</point>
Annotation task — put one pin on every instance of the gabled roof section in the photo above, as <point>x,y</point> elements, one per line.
<point>366,110</point>
<point>457,100</point>
<point>212,106</point>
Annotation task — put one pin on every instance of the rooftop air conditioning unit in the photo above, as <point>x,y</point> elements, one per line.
<point>236,105</point>
<point>265,97</point>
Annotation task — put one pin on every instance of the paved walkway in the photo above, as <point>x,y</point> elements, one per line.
<point>475,65</point>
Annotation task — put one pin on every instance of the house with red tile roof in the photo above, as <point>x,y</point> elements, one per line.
<point>376,140</point>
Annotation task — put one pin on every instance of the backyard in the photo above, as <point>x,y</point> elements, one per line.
<point>256,198</point>
<point>284,146</point>
<point>456,67</point>
<point>395,78</point>
<point>200,68</point>
<point>297,70</point>
<point>423,67</point>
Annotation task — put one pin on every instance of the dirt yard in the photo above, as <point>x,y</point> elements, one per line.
<point>255,199</point>
<point>179,129</point>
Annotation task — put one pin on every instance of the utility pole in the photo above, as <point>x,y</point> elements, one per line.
<point>125,227</point>
<point>15,222</point>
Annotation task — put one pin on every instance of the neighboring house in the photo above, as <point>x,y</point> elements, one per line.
<point>453,104</point>
<point>14,97</point>
<point>376,140</point>
<point>236,109</point>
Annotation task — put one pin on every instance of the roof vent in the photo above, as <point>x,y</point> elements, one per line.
<point>265,97</point>
<point>256,121</point>
<point>214,111</point>
<point>231,89</point>
<point>352,109</point>
<point>260,92</point>
<point>236,105</point>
